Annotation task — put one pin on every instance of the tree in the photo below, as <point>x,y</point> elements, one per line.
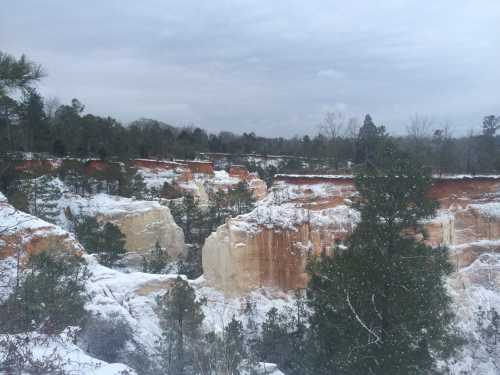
<point>380,306</point>
<point>16,76</point>
<point>491,124</point>
<point>50,297</point>
<point>370,140</point>
<point>33,121</point>
<point>113,244</point>
<point>188,216</point>
<point>180,319</point>
<point>241,199</point>
<point>105,240</point>
<point>156,261</point>
<point>233,346</point>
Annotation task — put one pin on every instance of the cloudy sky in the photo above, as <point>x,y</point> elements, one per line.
<point>270,66</point>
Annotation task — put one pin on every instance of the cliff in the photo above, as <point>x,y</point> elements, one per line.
<point>198,178</point>
<point>24,234</point>
<point>305,215</point>
<point>144,223</point>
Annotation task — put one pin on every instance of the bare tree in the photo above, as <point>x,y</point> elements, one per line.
<point>419,127</point>
<point>51,105</point>
<point>332,128</point>
<point>419,135</point>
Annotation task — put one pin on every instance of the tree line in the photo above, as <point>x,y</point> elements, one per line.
<point>29,122</point>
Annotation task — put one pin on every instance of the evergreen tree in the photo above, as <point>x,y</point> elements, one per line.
<point>233,346</point>
<point>45,196</point>
<point>88,231</point>
<point>370,140</point>
<point>180,318</point>
<point>380,306</point>
<point>50,297</point>
<point>241,199</point>
<point>156,261</point>
<point>112,244</point>
<point>191,266</point>
<point>189,217</point>
<point>105,240</point>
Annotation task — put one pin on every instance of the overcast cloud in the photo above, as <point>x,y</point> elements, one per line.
<point>273,67</point>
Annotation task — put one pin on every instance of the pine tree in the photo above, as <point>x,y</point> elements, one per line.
<point>233,346</point>
<point>105,240</point>
<point>112,244</point>
<point>380,306</point>
<point>50,297</point>
<point>157,261</point>
<point>46,195</point>
<point>241,199</point>
<point>180,318</point>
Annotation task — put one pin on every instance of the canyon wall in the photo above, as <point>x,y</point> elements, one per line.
<point>23,234</point>
<point>144,223</point>
<point>305,215</point>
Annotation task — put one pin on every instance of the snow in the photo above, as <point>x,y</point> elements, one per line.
<point>311,176</point>
<point>156,178</point>
<point>349,176</point>
<point>220,309</point>
<point>491,209</point>
<point>223,178</point>
<point>13,221</point>
<point>288,206</point>
<point>73,359</point>
<point>475,289</point>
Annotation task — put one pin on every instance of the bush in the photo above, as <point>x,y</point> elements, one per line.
<point>156,261</point>
<point>105,338</point>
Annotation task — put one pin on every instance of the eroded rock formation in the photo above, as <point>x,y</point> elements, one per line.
<point>144,223</point>
<point>308,214</point>
<point>24,234</point>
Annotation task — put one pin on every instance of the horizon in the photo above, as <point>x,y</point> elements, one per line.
<point>272,69</point>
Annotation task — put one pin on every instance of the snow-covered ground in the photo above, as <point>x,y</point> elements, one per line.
<point>60,350</point>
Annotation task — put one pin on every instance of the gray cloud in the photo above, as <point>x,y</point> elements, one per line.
<point>272,67</point>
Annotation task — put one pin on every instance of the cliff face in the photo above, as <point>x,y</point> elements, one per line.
<point>144,223</point>
<point>302,215</point>
<point>198,178</point>
<point>21,233</point>
<point>144,228</point>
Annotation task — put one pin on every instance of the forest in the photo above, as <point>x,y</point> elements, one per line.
<point>31,123</point>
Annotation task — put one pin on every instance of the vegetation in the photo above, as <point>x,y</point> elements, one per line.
<point>156,261</point>
<point>106,240</point>
<point>181,317</point>
<point>380,306</point>
<point>48,297</point>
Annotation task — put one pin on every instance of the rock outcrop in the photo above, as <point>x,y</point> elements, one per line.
<point>305,215</point>
<point>198,178</point>
<point>144,223</point>
<point>24,234</point>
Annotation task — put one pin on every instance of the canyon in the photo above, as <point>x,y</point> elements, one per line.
<point>308,215</point>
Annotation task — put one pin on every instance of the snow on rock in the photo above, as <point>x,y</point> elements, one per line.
<point>269,246</point>
<point>24,233</point>
<point>476,294</point>
<point>198,182</point>
<point>61,351</point>
<point>304,214</point>
<point>144,223</point>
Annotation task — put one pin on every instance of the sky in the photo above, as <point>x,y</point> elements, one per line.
<point>274,67</point>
